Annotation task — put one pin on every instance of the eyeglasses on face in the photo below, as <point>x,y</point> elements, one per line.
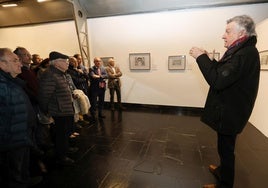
<point>11,60</point>
<point>64,60</point>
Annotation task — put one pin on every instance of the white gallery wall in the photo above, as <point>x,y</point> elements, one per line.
<point>42,39</point>
<point>161,34</point>
<point>259,116</point>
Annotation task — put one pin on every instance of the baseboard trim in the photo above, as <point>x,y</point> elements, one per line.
<point>179,110</point>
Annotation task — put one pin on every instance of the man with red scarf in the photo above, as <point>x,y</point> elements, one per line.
<point>233,82</point>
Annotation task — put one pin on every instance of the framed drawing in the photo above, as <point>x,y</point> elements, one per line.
<point>139,61</point>
<point>264,59</point>
<point>214,55</point>
<point>105,60</point>
<point>176,62</point>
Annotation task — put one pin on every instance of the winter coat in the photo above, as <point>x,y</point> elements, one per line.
<point>17,115</point>
<point>30,78</point>
<point>80,79</point>
<point>55,95</point>
<point>233,88</point>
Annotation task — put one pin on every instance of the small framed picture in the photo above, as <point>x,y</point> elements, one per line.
<point>214,55</point>
<point>139,61</point>
<point>264,59</point>
<point>105,61</point>
<point>176,62</point>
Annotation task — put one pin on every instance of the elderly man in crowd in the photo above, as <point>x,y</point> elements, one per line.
<point>114,83</point>
<point>98,76</point>
<point>17,118</point>
<point>55,99</point>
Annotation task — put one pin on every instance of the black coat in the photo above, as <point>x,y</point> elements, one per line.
<point>233,88</point>
<point>80,80</point>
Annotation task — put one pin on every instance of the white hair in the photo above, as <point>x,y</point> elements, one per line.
<point>244,22</point>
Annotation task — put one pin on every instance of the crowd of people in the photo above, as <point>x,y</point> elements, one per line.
<point>41,102</point>
<point>36,92</point>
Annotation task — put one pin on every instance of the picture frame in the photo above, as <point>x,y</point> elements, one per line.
<point>176,62</point>
<point>214,55</point>
<point>140,61</point>
<point>105,60</point>
<point>264,59</point>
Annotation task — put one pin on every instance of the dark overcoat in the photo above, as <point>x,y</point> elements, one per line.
<point>233,88</point>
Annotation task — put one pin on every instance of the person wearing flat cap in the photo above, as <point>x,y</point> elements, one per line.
<point>55,99</point>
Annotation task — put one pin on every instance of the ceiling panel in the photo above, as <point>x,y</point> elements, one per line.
<point>30,12</point>
<point>99,8</point>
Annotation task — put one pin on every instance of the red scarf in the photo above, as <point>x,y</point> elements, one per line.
<point>238,41</point>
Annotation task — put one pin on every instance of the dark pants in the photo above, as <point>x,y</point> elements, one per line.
<point>226,147</point>
<point>62,129</point>
<point>16,165</point>
<point>118,94</point>
<point>83,86</point>
<point>96,99</point>
<point>42,135</point>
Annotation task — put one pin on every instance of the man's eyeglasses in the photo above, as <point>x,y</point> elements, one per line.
<point>65,60</point>
<point>12,61</point>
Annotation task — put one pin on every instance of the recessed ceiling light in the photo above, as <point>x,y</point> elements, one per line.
<point>9,5</point>
<point>41,1</point>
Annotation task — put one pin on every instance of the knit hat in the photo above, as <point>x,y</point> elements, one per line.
<point>56,55</point>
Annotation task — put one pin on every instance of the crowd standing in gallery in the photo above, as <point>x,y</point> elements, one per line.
<point>45,94</point>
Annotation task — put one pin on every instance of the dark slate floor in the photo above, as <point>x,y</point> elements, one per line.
<point>155,148</point>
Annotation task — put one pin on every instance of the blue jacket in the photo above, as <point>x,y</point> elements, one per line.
<point>94,82</point>
<point>17,116</point>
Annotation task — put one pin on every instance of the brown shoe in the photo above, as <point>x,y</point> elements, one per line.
<point>210,186</point>
<point>214,170</point>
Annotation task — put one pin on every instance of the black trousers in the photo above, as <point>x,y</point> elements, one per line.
<point>14,166</point>
<point>226,147</point>
<point>115,89</point>
<point>96,100</point>
<point>61,133</point>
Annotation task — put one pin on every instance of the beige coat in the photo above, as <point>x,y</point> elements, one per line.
<point>113,77</point>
